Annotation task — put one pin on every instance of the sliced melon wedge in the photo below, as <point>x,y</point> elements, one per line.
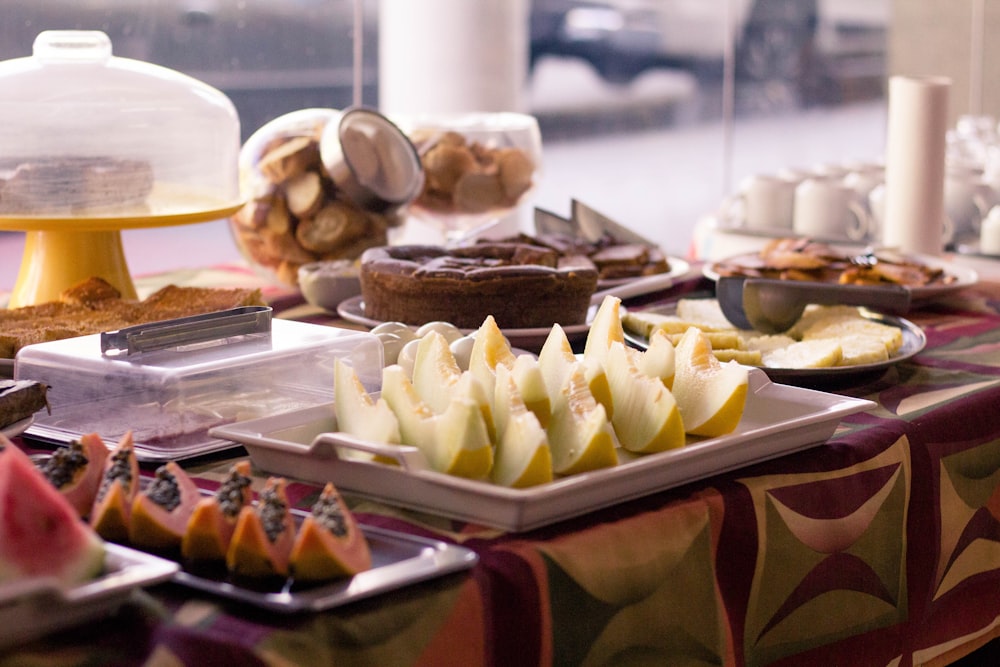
<point>357,413</point>
<point>558,362</point>
<point>580,436</point>
<point>646,417</point>
<point>711,395</point>
<point>605,329</point>
<point>523,457</point>
<point>659,359</point>
<point>438,379</point>
<point>527,375</point>
<point>455,441</point>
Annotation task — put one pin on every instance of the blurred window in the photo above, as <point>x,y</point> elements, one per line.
<point>650,109</point>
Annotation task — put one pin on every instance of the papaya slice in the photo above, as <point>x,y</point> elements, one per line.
<point>264,534</point>
<point>110,516</point>
<point>329,543</point>
<point>76,471</point>
<point>210,528</point>
<point>161,511</point>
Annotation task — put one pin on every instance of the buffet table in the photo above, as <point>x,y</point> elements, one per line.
<point>882,544</point>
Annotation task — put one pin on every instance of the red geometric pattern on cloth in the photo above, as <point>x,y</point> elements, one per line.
<point>809,589</point>
<point>635,596</point>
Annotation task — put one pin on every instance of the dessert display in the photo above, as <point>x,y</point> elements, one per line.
<point>306,206</point>
<point>520,285</point>
<point>93,306</point>
<point>804,259</point>
<point>95,158</point>
<point>824,337</point>
<point>75,186</point>
<point>615,260</point>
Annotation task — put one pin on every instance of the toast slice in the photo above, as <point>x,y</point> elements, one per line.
<point>93,306</point>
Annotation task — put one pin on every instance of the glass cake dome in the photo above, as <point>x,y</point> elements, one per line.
<point>86,135</point>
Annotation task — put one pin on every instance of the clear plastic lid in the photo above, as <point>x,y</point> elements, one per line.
<point>85,134</point>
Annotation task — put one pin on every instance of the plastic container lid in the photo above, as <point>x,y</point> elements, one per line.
<point>171,396</point>
<point>85,134</point>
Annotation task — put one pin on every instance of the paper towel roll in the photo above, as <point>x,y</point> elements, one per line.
<point>452,56</point>
<point>915,164</point>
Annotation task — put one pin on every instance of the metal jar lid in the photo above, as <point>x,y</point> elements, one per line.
<point>371,160</point>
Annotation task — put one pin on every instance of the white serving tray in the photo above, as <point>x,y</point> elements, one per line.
<point>35,607</point>
<point>778,419</point>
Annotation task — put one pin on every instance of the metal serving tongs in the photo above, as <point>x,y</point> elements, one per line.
<point>772,306</point>
<point>191,330</point>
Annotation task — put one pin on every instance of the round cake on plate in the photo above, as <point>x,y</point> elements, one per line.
<point>521,285</point>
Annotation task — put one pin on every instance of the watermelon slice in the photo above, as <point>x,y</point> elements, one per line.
<point>41,534</point>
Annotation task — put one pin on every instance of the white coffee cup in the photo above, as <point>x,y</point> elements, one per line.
<point>796,174</point>
<point>989,233</point>
<point>829,170</point>
<point>828,209</point>
<point>864,180</point>
<point>968,198</point>
<point>763,202</point>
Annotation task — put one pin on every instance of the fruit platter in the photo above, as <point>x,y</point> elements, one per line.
<point>137,532</point>
<point>827,345</point>
<point>424,443</point>
<point>55,571</point>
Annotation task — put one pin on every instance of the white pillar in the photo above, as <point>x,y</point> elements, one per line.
<point>452,56</point>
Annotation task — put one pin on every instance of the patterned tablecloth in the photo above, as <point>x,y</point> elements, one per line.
<point>882,544</point>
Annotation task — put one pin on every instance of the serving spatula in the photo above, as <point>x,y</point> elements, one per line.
<point>772,306</point>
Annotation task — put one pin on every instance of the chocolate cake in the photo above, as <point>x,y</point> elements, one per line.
<point>521,285</point>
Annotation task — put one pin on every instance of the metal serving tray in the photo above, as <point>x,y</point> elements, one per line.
<point>778,419</point>
<point>398,560</point>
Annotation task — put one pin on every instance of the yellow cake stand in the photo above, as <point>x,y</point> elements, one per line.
<point>60,251</point>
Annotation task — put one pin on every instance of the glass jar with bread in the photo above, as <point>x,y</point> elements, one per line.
<point>322,184</point>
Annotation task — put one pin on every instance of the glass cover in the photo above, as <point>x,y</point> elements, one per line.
<point>85,134</point>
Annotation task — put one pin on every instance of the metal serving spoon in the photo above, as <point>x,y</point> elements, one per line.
<point>772,306</point>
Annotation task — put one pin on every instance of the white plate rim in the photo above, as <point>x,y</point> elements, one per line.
<point>353,310</point>
<point>678,269</point>
<point>127,569</point>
